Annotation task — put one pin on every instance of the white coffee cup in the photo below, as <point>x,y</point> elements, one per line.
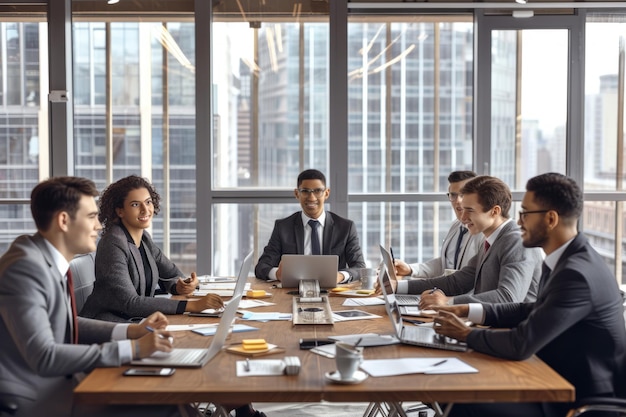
<point>348,358</point>
<point>368,278</point>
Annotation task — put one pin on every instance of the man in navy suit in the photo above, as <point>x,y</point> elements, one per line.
<point>295,235</point>
<point>576,325</point>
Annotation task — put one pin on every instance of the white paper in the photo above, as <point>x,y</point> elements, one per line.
<point>404,366</point>
<point>347,315</point>
<point>366,301</point>
<point>327,351</point>
<point>249,315</point>
<point>183,327</point>
<point>260,367</point>
<point>250,303</point>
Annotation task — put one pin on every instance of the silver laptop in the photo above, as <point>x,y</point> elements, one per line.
<point>195,358</point>
<point>322,268</point>
<point>415,335</point>
<point>402,299</point>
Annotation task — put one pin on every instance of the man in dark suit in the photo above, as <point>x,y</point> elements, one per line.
<point>43,343</point>
<point>576,325</point>
<point>502,271</point>
<point>295,235</point>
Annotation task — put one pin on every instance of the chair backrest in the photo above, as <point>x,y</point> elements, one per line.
<point>84,276</point>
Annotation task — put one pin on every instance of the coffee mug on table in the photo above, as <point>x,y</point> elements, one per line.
<point>368,278</point>
<point>348,358</point>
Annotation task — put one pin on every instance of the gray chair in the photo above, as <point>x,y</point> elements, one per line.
<point>588,405</point>
<point>84,276</point>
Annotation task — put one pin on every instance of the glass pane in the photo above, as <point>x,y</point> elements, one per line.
<point>528,103</point>
<point>415,231</point>
<point>270,102</point>
<point>409,103</point>
<point>143,55</point>
<point>23,110</point>
<point>240,228</point>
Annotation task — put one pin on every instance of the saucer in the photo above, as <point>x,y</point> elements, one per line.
<point>335,376</point>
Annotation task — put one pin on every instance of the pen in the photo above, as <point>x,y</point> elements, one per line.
<point>393,258</point>
<point>246,365</point>
<point>433,290</point>
<point>439,363</point>
<point>150,329</point>
<point>358,342</point>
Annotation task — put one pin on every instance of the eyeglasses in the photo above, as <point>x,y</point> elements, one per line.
<point>317,192</point>
<point>453,196</point>
<point>523,214</point>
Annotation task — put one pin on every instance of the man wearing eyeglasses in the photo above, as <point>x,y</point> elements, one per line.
<point>503,271</point>
<point>458,247</point>
<point>312,231</point>
<point>576,325</point>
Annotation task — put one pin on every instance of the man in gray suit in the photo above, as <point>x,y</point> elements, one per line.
<point>458,247</point>
<point>43,343</point>
<point>504,271</point>
<point>333,235</point>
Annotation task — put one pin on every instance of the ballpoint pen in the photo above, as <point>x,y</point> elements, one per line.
<point>433,290</point>
<point>393,258</point>
<point>246,365</point>
<point>439,363</point>
<point>150,329</point>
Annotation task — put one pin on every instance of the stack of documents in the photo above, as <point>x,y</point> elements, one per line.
<point>223,289</point>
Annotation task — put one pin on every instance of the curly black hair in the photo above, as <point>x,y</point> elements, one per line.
<point>114,195</point>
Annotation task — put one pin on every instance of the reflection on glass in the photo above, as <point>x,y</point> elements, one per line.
<point>409,96</point>
<point>527,124</point>
<point>270,102</point>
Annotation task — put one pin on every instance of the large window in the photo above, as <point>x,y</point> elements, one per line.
<point>427,93</point>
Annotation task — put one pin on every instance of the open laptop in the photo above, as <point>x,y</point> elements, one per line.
<point>323,268</point>
<point>195,358</point>
<point>415,335</point>
<point>402,299</point>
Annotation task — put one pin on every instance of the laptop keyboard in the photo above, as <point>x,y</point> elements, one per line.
<point>407,299</point>
<point>186,356</point>
<point>426,337</point>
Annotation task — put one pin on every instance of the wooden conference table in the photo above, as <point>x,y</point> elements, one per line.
<point>498,380</point>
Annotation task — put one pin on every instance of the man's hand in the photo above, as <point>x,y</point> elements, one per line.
<point>431,298</point>
<point>402,268</point>
<point>459,310</point>
<point>279,271</point>
<point>210,300</point>
<point>186,286</point>
<point>155,321</point>
<point>448,324</point>
<point>159,340</point>
<point>392,282</point>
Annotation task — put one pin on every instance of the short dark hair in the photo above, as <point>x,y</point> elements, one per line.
<point>311,174</point>
<point>58,194</point>
<point>491,192</point>
<point>557,192</point>
<point>458,176</point>
<point>114,195</point>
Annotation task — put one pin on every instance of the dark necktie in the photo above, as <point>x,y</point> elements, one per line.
<point>70,290</point>
<point>487,245</point>
<point>545,273</point>
<point>457,251</point>
<point>315,239</point>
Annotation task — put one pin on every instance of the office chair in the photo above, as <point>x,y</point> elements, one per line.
<point>84,275</point>
<point>7,406</point>
<point>615,405</point>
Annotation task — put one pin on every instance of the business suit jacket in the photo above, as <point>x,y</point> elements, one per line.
<point>576,325</point>
<point>507,272</point>
<point>118,292</point>
<point>37,359</point>
<point>435,267</point>
<point>340,238</point>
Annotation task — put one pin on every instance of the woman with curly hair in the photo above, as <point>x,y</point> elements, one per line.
<point>129,266</point>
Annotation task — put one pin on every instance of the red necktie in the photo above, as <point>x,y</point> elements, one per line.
<point>70,290</point>
<point>487,246</point>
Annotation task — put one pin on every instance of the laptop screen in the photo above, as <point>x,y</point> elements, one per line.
<point>391,305</point>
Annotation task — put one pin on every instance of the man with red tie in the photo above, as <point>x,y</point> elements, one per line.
<point>43,343</point>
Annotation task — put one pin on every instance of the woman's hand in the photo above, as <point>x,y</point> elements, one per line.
<point>187,285</point>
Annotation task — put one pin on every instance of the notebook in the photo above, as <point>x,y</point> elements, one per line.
<point>195,358</point>
<point>416,335</point>
<point>323,268</point>
<point>402,299</point>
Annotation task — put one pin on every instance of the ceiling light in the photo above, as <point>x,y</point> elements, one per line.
<point>520,1</point>
<point>112,1</point>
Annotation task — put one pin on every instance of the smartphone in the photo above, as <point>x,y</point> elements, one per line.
<point>311,343</point>
<point>149,372</point>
